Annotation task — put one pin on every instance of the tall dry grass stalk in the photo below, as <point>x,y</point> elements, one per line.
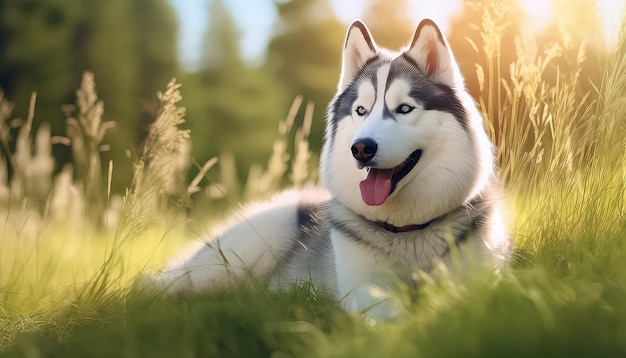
<point>32,164</point>
<point>159,173</point>
<point>85,131</point>
<point>291,164</point>
<point>6,108</point>
<point>561,150</point>
<point>283,169</point>
<point>155,196</point>
<point>24,196</point>
<point>76,195</point>
<point>300,172</point>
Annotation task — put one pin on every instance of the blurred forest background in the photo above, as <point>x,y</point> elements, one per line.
<point>232,105</point>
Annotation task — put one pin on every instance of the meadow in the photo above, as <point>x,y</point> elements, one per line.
<point>72,251</point>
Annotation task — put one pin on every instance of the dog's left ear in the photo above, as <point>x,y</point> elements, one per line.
<point>358,48</point>
<point>432,55</point>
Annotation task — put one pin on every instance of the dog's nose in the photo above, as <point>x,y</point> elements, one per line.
<point>364,149</point>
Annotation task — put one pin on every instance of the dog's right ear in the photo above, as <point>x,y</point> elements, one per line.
<point>358,48</point>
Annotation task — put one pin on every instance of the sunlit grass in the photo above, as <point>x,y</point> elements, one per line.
<point>67,277</point>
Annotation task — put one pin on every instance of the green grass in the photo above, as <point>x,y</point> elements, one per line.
<point>67,276</point>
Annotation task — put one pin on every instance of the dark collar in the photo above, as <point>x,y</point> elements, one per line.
<point>406,228</point>
<point>414,227</point>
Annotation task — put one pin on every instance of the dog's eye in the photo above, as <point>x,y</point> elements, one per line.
<point>360,110</point>
<point>404,108</point>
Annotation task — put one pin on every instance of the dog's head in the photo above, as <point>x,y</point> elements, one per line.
<point>404,141</point>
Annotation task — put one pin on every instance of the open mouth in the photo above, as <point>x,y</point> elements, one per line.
<point>380,183</point>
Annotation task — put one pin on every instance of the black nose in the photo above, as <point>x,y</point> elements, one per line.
<point>364,149</point>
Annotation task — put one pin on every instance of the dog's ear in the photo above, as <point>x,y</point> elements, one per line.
<point>358,48</point>
<point>432,55</point>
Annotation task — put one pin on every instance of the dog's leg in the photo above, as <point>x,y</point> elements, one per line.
<point>360,273</point>
<point>247,250</point>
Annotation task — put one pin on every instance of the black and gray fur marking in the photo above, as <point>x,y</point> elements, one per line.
<point>310,249</point>
<point>433,97</point>
<point>341,106</point>
<point>312,225</point>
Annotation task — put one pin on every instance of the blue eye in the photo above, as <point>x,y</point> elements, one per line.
<point>404,108</point>
<point>360,110</point>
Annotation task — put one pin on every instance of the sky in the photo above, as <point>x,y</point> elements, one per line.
<point>255,18</point>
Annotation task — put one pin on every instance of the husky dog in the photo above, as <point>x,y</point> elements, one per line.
<point>408,172</point>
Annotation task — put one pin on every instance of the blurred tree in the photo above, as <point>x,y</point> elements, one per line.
<point>130,46</point>
<point>155,26</point>
<point>230,106</point>
<point>220,45</point>
<point>108,47</point>
<point>36,42</point>
<point>45,45</point>
<point>305,55</point>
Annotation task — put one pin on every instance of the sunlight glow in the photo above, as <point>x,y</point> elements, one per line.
<point>348,10</point>
<point>611,12</point>
<point>538,14</point>
<point>442,11</point>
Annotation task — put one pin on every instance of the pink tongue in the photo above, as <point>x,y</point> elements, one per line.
<point>376,187</point>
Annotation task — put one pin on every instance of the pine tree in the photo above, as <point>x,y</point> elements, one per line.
<point>231,106</point>
<point>45,46</point>
<point>36,43</point>
<point>220,48</point>
<point>155,28</point>
<point>108,49</point>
